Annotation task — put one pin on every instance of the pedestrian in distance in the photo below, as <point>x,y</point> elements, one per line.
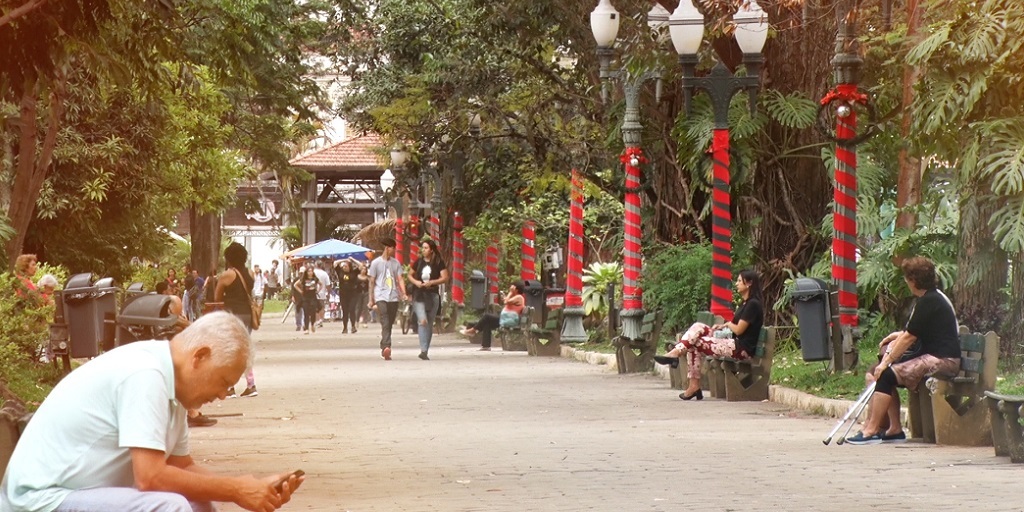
<point>736,339</point>
<point>386,289</point>
<point>349,292</point>
<point>234,288</point>
<point>112,435</point>
<point>929,344</point>
<point>309,286</point>
<point>427,275</point>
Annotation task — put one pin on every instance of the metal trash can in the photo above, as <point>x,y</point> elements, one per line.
<point>533,292</point>
<point>811,301</point>
<point>146,317</point>
<point>106,309</point>
<point>478,290</point>
<point>84,319</point>
<point>134,290</point>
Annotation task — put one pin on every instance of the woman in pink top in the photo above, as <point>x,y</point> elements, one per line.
<point>514,303</point>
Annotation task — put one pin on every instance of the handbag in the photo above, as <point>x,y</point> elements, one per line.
<point>255,309</point>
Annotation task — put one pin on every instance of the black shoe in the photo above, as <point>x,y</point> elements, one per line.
<point>423,356</point>
<point>699,395</point>
<point>671,361</point>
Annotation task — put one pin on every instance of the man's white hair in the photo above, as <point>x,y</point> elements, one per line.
<point>47,280</point>
<point>224,333</point>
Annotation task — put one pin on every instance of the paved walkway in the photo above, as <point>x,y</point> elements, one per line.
<point>479,431</point>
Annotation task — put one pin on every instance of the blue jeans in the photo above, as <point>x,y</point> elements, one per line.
<point>104,499</point>
<point>425,307</point>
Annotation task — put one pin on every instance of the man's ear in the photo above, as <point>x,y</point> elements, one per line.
<point>201,354</point>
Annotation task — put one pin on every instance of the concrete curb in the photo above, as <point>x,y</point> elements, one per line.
<point>796,399</point>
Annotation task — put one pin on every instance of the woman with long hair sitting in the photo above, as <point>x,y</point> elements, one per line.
<point>736,339</point>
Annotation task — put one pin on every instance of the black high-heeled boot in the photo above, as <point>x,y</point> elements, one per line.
<point>671,361</point>
<point>699,395</point>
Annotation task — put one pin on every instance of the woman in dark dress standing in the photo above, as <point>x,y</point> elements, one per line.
<point>349,292</point>
<point>234,288</point>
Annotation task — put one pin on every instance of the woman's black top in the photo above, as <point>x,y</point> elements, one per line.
<point>753,312</point>
<point>348,283</point>
<point>236,295</point>
<point>428,271</point>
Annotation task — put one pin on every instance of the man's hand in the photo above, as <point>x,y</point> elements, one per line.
<point>259,495</point>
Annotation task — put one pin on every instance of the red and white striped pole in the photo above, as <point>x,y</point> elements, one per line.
<point>844,215</point>
<point>458,293</point>
<point>414,239</point>
<point>492,271</point>
<point>400,240</point>
<point>435,227</point>
<point>721,228</point>
<point>529,258</point>
<point>572,328</point>
<point>632,302</point>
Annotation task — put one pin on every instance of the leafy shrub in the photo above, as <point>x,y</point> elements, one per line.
<point>677,280</point>
<point>596,279</point>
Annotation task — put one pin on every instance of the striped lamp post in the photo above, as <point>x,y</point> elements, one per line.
<point>400,240</point>
<point>458,293</point>
<point>529,257</point>
<point>434,229</point>
<point>414,239</point>
<point>492,271</point>
<point>572,328</point>
<point>632,302</point>
<point>843,100</point>
<point>686,26</point>
<point>604,22</point>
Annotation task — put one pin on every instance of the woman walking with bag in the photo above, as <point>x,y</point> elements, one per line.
<point>426,275</point>
<point>234,289</point>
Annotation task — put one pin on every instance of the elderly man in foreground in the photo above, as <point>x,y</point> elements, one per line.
<point>113,434</point>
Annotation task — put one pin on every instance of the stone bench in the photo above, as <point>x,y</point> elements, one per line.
<point>637,355</point>
<point>514,339</point>
<point>947,409</point>
<point>546,340</point>
<point>1007,431</point>
<point>739,380</point>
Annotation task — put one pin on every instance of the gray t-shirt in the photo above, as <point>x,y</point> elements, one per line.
<point>385,275</point>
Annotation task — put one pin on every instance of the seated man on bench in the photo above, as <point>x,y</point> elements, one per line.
<point>933,323</point>
<point>700,339</point>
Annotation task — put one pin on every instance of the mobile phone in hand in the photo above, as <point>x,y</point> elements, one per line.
<point>280,481</point>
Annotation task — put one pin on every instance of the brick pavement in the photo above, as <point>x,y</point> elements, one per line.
<point>478,431</point>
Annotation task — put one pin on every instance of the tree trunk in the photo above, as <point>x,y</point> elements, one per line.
<point>982,264</point>
<point>206,235</point>
<point>908,185</point>
<point>32,160</point>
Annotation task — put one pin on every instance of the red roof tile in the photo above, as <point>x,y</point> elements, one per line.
<point>355,153</point>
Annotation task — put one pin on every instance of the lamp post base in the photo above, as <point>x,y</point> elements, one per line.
<point>572,327</point>
<point>632,323</point>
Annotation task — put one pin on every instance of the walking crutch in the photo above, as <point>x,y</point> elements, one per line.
<point>287,310</point>
<point>858,406</point>
<point>863,405</point>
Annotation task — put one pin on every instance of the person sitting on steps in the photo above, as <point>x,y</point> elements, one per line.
<point>703,340</point>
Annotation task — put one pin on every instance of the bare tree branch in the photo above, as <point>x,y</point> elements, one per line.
<point>18,12</point>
